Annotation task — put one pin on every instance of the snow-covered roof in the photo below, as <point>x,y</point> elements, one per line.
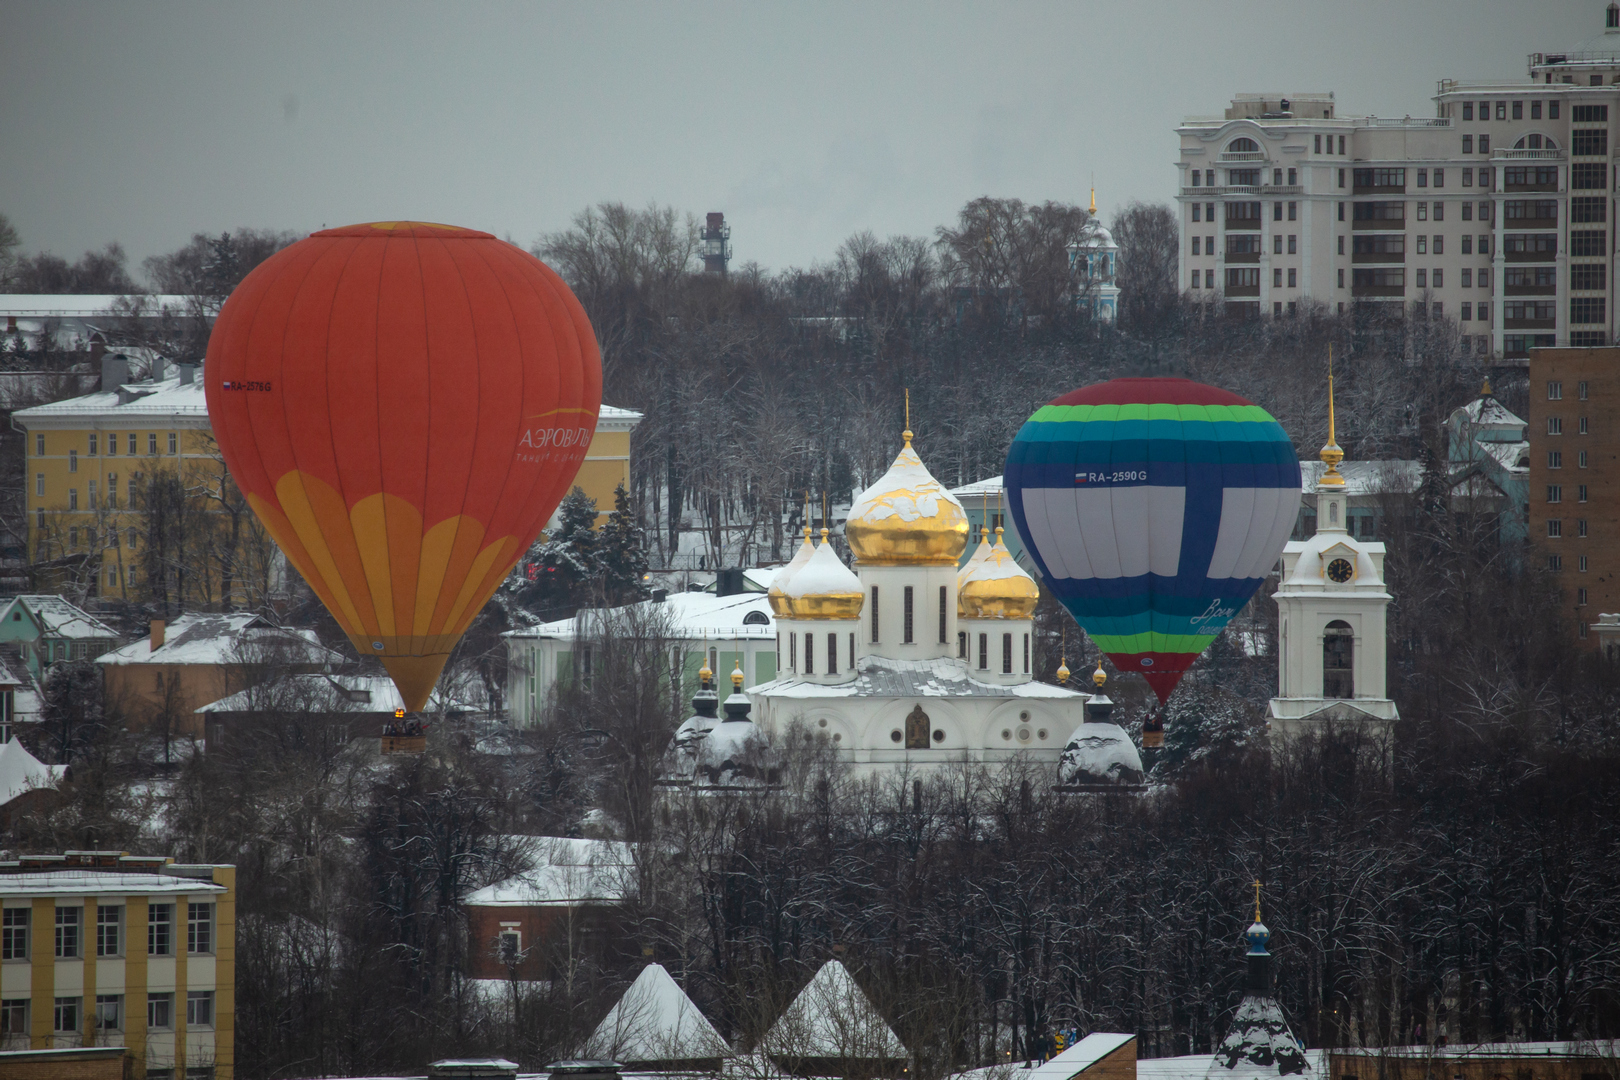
<point>1184,1067</point>
<point>1512,456</point>
<point>877,676</point>
<point>328,693</point>
<point>979,489</point>
<point>1100,754</point>
<point>167,400</point>
<point>1607,1049</point>
<point>87,305</point>
<point>655,1021</point>
<point>1080,1057</point>
<point>1259,1045</point>
<point>690,615</point>
<point>21,772</point>
<point>611,418</point>
<point>99,882</point>
<point>568,871</point>
<point>832,1018</point>
<point>221,639</point>
<point>823,574</point>
<point>1488,412</point>
<point>1366,477</point>
<point>58,617</point>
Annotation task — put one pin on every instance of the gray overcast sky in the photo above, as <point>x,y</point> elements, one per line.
<point>804,122</point>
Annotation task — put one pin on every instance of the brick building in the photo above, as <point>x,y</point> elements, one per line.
<point>1574,506</point>
<point>99,949</point>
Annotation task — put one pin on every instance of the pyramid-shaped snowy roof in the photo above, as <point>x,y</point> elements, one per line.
<point>1259,1045</point>
<point>655,1021</point>
<point>832,1018</point>
<point>21,771</point>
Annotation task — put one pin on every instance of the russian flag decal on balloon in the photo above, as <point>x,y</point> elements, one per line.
<point>1153,508</point>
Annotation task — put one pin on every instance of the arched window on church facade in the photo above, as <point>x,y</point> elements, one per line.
<point>1338,660</point>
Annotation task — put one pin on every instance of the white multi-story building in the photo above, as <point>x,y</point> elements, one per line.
<point>1495,212</point>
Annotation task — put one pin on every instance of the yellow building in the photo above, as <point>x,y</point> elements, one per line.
<point>128,497</point>
<point>101,949</point>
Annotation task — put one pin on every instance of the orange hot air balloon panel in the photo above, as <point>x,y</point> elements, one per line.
<point>404,405</point>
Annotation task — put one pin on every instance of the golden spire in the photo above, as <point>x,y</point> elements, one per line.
<point>705,675</point>
<point>1256,899</point>
<point>824,529</point>
<point>1485,391</point>
<point>1099,676</point>
<point>906,434</point>
<point>1063,660</point>
<point>1094,200</point>
<point>1331,454</point>
<point>807,515</point>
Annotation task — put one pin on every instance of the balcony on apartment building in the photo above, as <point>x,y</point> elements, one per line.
<point>1530,248</point>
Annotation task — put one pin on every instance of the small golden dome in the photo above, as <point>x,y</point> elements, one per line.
<point>781,605</point>
<point>737,678</point>
<point>980,553</point>
<point>998,588</point>
<point>704,674</point>
<point>824,589</point>
<point>907,518</point>
<point>1063,671</point>
<point>1099,676</point>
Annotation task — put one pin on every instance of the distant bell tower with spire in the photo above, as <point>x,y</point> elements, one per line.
<point>1331,621</point>
<point>1094,268</point>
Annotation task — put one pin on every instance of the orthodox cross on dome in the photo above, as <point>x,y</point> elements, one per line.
<point>906,434</point>
<point>1256,899</point>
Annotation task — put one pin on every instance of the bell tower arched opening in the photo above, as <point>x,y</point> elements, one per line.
<point>1338,660</point>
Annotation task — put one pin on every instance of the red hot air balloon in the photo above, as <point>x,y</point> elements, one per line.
<point>404,405</point>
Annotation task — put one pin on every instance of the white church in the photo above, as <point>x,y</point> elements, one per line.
<point>907,662</point>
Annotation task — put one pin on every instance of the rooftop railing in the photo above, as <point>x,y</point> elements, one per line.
<point>1527,155</point>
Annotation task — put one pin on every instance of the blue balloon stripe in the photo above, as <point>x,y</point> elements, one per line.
<point>1090,430</point>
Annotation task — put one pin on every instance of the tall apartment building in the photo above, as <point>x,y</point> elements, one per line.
<point>101,949</point>
<point>1497,211</point>
<point>89,460</point>
<point>1575,477</point>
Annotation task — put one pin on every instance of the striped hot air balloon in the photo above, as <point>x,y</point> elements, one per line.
<point>404,404</point>
<point>1153,508</point>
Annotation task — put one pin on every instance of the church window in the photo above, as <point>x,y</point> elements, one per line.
<point>793,651</point>
<point>1026,654</point>
<point>874,615</point>
<point>852,650</point>
<point>1338,660</point>
<point>942,620</point>
<point>961,644</point>
<point>984,652</point>
<point>832,654</point>
<point>809,654</point>
<point>908,637</point>
<point>1006,654</point>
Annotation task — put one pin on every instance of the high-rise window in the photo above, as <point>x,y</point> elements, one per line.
<point>109,930</point>
<point>160,930</point>
<point>69,925</point>
<point>199,1009</point>
<point>14,934</point>
<point>1468,110</point>
<point>66,1017</point>
<point>160,1011</point>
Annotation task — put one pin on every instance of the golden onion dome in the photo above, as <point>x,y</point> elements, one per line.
<point>998,589</point>
<point>1063,672</point>
<point>980,553</point>
<point>824,588</point>
<point>781,606</point>
<point>907,518</point>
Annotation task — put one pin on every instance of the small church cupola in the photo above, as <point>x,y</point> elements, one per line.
<point>1259,1045</point>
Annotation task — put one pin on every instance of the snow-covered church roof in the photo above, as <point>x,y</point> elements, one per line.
<point>878,676</point>
<point>832,1018</point>
<point>655,1022</point>
<point>1259,1044</point>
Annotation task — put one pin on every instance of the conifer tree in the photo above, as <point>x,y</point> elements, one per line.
<point>621,555</point>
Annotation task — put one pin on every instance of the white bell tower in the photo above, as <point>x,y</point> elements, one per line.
<point>1331,608</point>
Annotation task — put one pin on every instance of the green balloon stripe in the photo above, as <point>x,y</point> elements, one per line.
<point>1152,642</point>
